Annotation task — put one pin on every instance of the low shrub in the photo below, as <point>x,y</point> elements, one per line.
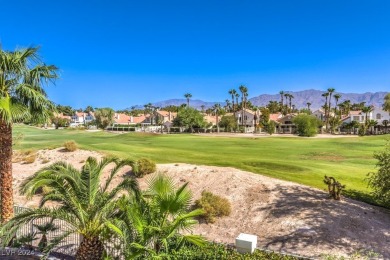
<point>70,146</point>
<point>143,167</point>
<point>30,158</point>
<point>213,205</point>
<point>24,156</point>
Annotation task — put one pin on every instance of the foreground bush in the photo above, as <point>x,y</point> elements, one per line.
<point>70,146</point>
<point>143,167</point>
<point>307,125</point>
<point>214,206</point>
<point>218,251</point>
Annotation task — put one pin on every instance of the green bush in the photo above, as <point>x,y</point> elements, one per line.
<point>219,251</point>
<point>307,125</point>
<point>70,146</point>
<point>214,206</point>
<point>143,167</point>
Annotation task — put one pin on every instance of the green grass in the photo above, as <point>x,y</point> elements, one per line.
<point>301,160</point>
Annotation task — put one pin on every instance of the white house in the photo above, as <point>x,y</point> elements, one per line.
<point>80,118</point>
<point>357,116</point>
<point>379,115</point>
<point>248,117</point>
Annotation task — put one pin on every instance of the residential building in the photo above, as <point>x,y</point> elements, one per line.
<point>81,118</point>
<point>248,117</point>
<point>285,124</point>
<point>357,116</point>
<point>379,115</point>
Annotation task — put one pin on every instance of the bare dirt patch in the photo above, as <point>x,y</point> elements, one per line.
<point>284,215</point>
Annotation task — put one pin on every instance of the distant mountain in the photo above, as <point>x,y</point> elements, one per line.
<point>300,99</point>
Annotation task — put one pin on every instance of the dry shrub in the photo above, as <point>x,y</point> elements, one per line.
<point>144,166</point>
<point>70,146</point>
<point>45,160</point>
<point>214,206</point>
<point>25,156</point>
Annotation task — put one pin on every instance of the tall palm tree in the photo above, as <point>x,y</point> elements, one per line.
<point>188,96</point>
<point>84,203</point>
<point>326,107</point>
<point>202,107</point>
<point>227,107</point>
<point>217,109</point>
<point>286,95</point>
<point>366,110</point>
<point>236,96</point>
<point>308,106</point>
<point>153,225</point>
<point>22,78</point>
<point>244,95</point>
<point>336,97</point>
<point>233,93</point>
<point>281,93</point>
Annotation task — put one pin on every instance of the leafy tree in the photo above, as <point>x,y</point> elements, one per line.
<point>66,110</point>
<point>88,109</point>
<point>334,123</point>
<point>84,203</point>
<point>104,117</point>
<point>269,127</point>
<point>273,107</point>
<point>152,226</point>
<point>22,78</point>
<point>229,123</point>
<point>189,118</point>
<point>307,125</point>
<point>380,181</point>
<point>60,122</point>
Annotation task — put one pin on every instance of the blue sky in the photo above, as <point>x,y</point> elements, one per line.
<point>122,53</point>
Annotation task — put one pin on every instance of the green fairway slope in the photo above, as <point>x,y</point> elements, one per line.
<point>302,160</point>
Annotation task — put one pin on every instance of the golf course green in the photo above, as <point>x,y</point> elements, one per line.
<point>301,160</point>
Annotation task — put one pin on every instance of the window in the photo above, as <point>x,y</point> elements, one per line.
<point>356,118</point>
<point>245,118</point>
<point>378,116</point>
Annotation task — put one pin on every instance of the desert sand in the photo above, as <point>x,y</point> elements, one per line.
<point>285,216</point>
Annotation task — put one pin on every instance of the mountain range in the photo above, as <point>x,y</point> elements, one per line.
<point>300,100</point>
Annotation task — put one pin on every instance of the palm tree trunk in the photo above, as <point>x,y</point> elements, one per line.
<point>6,192</point>
<point>90,249</point>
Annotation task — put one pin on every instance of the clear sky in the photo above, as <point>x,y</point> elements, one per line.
<point>121,53</point>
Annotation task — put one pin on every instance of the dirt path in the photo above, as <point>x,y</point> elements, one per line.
<point>284,215</point>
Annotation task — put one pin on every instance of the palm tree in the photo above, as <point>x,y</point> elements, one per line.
<point>227,107</point>
<point>22,78</point>
<point>202,107</point>
<point>217,109</point>
<point>286,95</point>
<point>290,96</point>
<point>236,96</point>
<point>188,96</point>
<point>326,95</point>
<point>336,97</point>
<point>244,95</point>
<point>233,93</point>
<point>153,225</point>
<point>308,106</point>
<point>366,110</point>
<point>84,203</point>
<point>281,100</point>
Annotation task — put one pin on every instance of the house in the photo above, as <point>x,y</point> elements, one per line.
<point>123,119</point>
<point>320,114</point>
<point>247,117</point>
<point>275,117</point>
<point>357,116</point>
<point>162,116</point>
<point>211,119</point>
<point>81,118</point>
<point>285,124</point>
<point>379,115</point>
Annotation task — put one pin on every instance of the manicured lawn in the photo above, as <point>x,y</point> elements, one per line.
<point>302,160</point>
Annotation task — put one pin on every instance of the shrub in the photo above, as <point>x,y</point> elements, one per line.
<point>143,167</point>
<point>70,146</point>
<point>307,125</point>
<point>25,156</point>
<point>30,158</point>
<point>213,205</point>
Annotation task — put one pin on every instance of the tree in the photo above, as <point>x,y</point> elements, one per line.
<point>334,123</point>
<point>326,107</point>
<point>188,96</point>
<point>84,203</point>
<point>269,127</point>
<point>336,97</point>
<point>152,226</point>
<point>290,97</point>
<point>228,122</point>
<point>244,94</point>
<point>385,123</point>
<point>88,109</point>
<point>307,125</point>
<point>217,110</point>
<point>22,78</point>
<point>386,104</point>
<point>59,122</point>
<point>281,93</point>
<point>104,117</point>
<point>366,110</point>
<point>233,93</point>
<point>308,106</point>
<point>273,106</point>
<point>380,181</point>
<point>189,118</point>
<point>66,110</point>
